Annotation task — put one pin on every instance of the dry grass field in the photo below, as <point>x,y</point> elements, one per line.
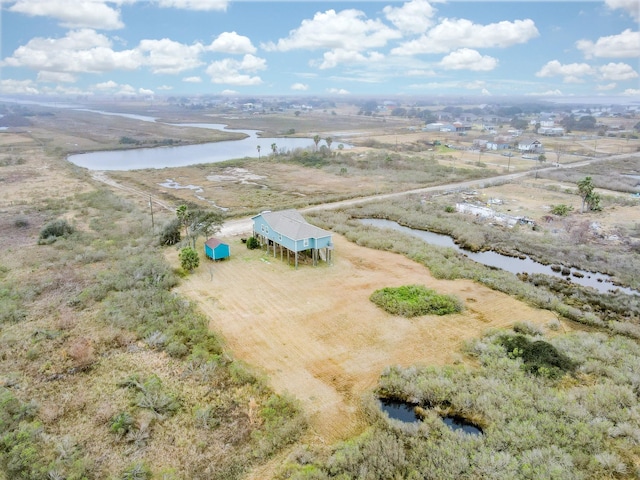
<point>314,333</point>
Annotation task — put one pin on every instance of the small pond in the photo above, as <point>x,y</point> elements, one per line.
<point>405,412</point>
<point>599,281</point>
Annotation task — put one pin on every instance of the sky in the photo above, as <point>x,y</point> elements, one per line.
<point>320,48</point>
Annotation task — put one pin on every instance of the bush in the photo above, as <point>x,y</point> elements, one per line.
<point>415,300</point>
<point>189,259</point>
<point>170,234</point>
<point>55,229</point>
<point>561,209</point>
<point>252,243</point>
<point>538,357</point>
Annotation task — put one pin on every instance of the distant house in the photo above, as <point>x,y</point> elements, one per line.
<point>551,131</point>
<point>288,231</point>
<point>530,145</point>
<point>216,249</point>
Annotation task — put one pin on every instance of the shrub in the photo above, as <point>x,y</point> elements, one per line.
<point>561,209</point>
<point>55,229</point>
<point>415,300</point>
<point>137,471</point>
<point>189,259</point>
<point>538,357</point>
<point>170,233</point>
<point>121,424</point>
<point>252,243</point>
<point>21,222</point>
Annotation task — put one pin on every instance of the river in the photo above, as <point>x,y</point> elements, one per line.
<point>599,281</point>
<point>180,156</point>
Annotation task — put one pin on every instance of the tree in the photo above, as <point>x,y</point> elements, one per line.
<point>589,197</point>
<point>316,140</point>
<point>170,234</point>
<point>198,222</point>
<point>189,259</point>
<point>329,141</point>
<point>274,148</point>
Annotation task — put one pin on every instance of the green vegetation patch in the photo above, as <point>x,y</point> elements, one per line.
<point>415,301</point>
<point>538,357</point>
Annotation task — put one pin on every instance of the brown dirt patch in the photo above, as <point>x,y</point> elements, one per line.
<point>315,334</point>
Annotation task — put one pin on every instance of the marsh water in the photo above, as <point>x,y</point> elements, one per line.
<point>599,281</point>
<point>180,156</point>
<point>405,412</point>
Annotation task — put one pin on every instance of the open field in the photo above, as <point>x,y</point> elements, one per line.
<point>310,332</point>
<point>315,333</point>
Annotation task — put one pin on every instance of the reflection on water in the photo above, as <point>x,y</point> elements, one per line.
<point>405,412</point>
<point>599,281</point>
<point>181,156</point>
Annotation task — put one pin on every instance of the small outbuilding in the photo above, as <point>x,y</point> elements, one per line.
<point>216,249</point>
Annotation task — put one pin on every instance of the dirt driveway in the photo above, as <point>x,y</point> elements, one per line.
<point>315,334</point>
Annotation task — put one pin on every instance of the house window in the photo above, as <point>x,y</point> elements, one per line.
<point>305,242</point>
<point>266,230</point>
<point>262,228</point>
<point>279,238</point>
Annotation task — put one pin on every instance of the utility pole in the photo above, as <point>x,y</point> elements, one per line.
<point>153,226</point>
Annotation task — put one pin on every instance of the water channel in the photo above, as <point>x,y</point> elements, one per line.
<point>599,281</point>
<point>180,156</point>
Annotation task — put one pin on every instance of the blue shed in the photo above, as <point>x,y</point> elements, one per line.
<point>216,249</point>
<point>288,231</point>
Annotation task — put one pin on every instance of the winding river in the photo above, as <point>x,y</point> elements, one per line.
<point>601,282</point>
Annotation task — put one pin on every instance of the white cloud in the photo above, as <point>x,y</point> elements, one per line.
<point>548,93</point>
<point>192,79</point>
<point>337,91</point>
<point>605,88</point>
<point>109,85</point>
<point>167,56</point>
<point>126,90</point>
<point>200,5</point>
<point>165,87</point>
<point>301,87</point>
<point>632,92</point>
<point>485,92</point>
<point>56,77</point>
<point>18,87</point>
<point>330,30</point>
<point>231,71</point>
<point>632,7</point>
<point>80,51</point>
<point>572,72</point>
<point>617,71</point>
<point>145,91</point>
<point>452,34</point>
<point>414,16</point>
<point>467,59</point>
<point>625,45</point>
<point>231,42</point>
<point>228,92</point>
<point>72,14</point>
<point>339,56</point>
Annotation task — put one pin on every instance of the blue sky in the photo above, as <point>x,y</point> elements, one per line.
<point>413,48</point>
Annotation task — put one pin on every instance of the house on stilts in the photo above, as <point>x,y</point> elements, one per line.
<point>288,231</point>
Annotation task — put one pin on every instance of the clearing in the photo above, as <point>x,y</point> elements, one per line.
<point>314,333</point>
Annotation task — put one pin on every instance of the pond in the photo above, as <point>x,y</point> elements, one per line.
<point>601,282</point>
<point>180,156</point>
<point>405,412</point>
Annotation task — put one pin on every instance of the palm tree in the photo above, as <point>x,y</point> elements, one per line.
<point>329,141</point>
<point>316,140</point>
<point>274,148</point>
<point>258,147</point>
